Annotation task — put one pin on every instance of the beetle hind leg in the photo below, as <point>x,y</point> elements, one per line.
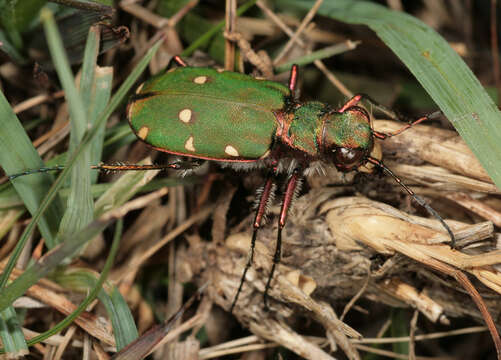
<point>290,194</point>
<point>264,199</point>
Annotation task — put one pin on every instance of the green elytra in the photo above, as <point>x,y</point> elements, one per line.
<point>227,116</point>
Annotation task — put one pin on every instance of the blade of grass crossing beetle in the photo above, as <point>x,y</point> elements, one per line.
<point>439,69</point>
<point>95,91</point>
<point>101,90</point>
<point>80,207</point>
<point>11,334</point>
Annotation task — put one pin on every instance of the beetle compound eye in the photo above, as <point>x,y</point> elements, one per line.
<point>346,158</point>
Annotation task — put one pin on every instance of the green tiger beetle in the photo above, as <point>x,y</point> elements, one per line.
<point>244,122</point>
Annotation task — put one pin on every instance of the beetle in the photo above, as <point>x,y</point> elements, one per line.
<point>245,122</point>
<point>241,121</point>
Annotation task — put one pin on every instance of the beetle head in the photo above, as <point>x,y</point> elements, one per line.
<point>346,138</point>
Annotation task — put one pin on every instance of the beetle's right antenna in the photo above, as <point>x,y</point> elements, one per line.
<point>417,198</point>
<point>382,136</point>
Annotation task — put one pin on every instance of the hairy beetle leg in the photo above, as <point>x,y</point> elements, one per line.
<point>258,219</point>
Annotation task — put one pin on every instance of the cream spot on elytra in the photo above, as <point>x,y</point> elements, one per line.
<point>143,132</point>
<point>139,88</point>
<point>188,145</point>
<point>266,154</point>
<point>185,115</point>
<point>230,150</point>
<point>200,80</point>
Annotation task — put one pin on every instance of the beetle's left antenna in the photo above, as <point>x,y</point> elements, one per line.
<point>417,198</point>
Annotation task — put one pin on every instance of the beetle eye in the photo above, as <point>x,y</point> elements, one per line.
<point>346,158</point>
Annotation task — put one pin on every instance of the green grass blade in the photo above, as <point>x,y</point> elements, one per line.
<point>11,334</point>
<point>101,89</point>
<point>80,207</point>
<point>95,91</point>
<point>92,295</point>
<point>202,40</point>
<point>124,328</point>
<point>17,154</point>
<point>48,262</point>
<point>399,328</point>
<point>17,15</point>
<point>439,69</point>
<point>318,55</point>
<point>10,50</point>
<point>47,200</point>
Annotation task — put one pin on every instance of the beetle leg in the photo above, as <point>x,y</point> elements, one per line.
<point>177,60</point>
<point>293,80</point>
<point>289,195</point>
<point>258,219</point>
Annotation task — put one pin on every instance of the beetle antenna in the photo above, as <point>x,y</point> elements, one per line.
<point>382,136</point>
<point>417,198</point>
<point>36,171</point>
<point>107,167</point>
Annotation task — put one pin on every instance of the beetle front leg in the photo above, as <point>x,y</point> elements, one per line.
<point>290,193</point>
